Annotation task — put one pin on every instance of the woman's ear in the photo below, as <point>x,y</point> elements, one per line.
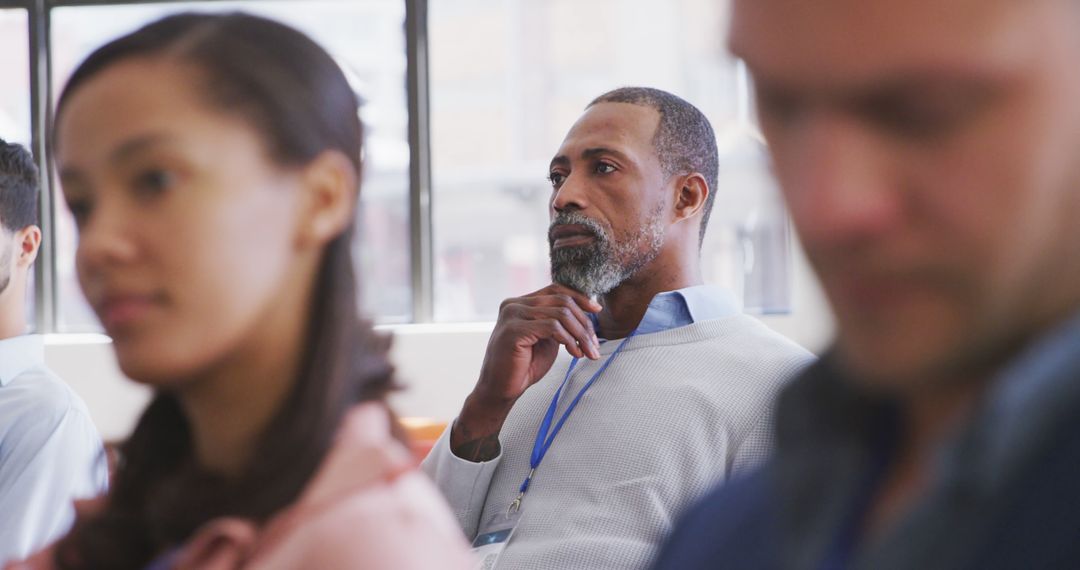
<point>328,204</point>
<point>693,193</point>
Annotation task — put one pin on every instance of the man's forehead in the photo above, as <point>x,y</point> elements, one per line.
<point>831,42</point>
<point>620,126</point>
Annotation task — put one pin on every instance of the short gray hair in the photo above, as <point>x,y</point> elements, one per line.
<point>684,139</point>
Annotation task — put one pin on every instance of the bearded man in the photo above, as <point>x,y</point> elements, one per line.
<point>669,386</point>
<point>927,150</point>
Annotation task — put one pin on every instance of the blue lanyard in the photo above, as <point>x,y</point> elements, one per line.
<point>545,435</point>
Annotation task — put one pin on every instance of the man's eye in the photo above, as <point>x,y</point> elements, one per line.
<point>777,108</point>
<point>919,122</point>
<point>556,179</point>
<point>928,115</point>
<point>604,168</point>
<point>903,118</point>
<point>154,181</point>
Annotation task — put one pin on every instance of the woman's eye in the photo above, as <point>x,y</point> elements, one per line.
<point>556,179</point>
<point>154,181</point>
<point>604,168</point>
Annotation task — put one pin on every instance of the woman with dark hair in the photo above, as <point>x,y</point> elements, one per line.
<point>211,163</point>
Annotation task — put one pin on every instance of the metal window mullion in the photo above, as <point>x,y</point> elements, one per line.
<point>420,203</point>
<point>45,305</point>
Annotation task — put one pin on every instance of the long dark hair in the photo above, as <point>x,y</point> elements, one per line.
<point>292,92</point>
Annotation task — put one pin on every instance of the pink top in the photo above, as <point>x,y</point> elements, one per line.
<point>366,507</point>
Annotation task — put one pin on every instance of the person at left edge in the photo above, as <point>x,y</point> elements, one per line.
<point>50,451</point>
<point>681,389</point>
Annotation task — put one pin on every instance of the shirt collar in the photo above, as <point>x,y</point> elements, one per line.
<point>689,305</point>
<point>18,354</point>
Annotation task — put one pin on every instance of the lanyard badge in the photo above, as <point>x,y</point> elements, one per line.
<point>497,531</point>
<point>494,535</point>
<point>545,435</point>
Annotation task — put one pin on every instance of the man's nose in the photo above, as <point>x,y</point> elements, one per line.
<point>838,180</point>
<point>571,194</point>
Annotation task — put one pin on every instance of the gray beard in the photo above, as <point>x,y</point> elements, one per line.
<point>601,266</point>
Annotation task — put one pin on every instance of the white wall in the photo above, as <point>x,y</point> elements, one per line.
<point>437,363</point>
<point>87,363</point>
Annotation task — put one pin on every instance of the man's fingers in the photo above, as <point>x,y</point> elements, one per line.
<point>580,298</point>
<point>571,321</point>
<point>534,307</point>
<point>566,312</point>
<point>569,304</point>
<point>554,330</point>
<point>561,304</point>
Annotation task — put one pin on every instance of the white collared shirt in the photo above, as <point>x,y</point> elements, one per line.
<point>50,451</point>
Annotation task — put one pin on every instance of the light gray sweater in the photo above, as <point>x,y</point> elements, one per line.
<point>676,412</point>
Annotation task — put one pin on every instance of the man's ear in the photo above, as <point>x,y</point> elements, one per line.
<point>28,242</point>
<point>692,193</point>
<point>328,204</point>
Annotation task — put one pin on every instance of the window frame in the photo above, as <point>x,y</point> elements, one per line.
<point>421,246</point>
<point>46,314</point>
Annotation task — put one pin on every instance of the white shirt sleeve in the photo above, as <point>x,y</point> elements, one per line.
<point>47,460</point>
<point>463,483</point>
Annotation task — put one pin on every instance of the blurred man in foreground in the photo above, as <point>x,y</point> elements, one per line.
<point>928,153</point>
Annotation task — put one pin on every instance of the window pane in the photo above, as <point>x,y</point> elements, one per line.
<point>368,39</point>
<point>15,69</point>
<point>508,79</point>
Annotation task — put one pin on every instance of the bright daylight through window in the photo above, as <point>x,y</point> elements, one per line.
<point>508,79</point>
<point>504,82</point>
